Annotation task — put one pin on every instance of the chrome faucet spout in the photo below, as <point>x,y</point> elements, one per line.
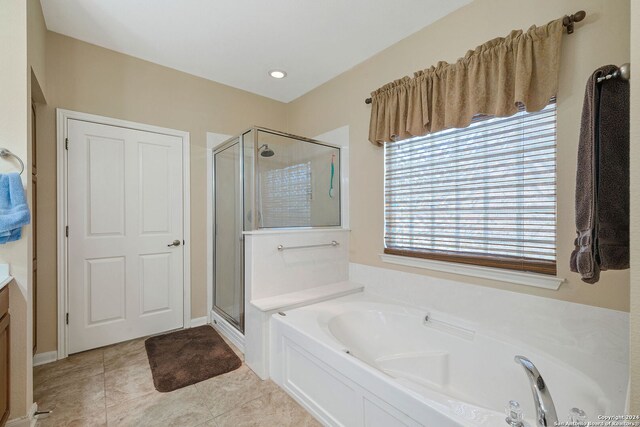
<point>545,409</point>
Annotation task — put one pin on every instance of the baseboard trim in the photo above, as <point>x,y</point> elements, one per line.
<point>199,321</point>
<point>19,422</point>
<point>27,420</point>
<point>231,333</point>
<point>44,358</point>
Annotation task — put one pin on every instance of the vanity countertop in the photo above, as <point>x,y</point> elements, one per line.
<point>5,278</point>
<point>5,281</point>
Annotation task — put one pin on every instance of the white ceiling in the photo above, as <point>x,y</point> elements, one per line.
<point>236,42</point>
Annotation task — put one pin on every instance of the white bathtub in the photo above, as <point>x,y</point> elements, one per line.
<point>363,361</point>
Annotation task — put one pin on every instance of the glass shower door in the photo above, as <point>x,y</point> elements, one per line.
<point>228,263</point>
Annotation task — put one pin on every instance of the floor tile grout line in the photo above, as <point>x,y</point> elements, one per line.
<point>109,368</point>
<point>48,388</point>
<point>200,396</point>
<point>55,366</point>
<point>130,399</point>
<point>242,404</point>
<point>104,389</point>
<point>160,395</point>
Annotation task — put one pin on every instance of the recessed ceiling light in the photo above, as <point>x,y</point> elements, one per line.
<point>277,74</point>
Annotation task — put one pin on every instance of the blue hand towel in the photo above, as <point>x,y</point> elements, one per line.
<point>14,211</point>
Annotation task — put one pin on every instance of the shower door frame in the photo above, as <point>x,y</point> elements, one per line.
<point>220,148</point>
<point>256,178</point>
<point>212,151</point>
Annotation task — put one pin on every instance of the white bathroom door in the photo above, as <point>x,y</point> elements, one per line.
<point>125,216</point>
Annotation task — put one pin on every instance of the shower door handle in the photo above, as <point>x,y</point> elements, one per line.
<point>174,243</point>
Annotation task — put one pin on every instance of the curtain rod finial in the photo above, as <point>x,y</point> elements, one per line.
<point>625,71</point>
<point>579,16</point>
<point>569,20</point>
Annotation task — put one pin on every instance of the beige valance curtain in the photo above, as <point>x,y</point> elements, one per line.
<point>492,79</point>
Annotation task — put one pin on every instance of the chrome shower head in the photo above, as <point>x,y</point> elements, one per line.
<point>267,151</point>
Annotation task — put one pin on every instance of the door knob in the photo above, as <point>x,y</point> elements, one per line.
<point>175,243</point>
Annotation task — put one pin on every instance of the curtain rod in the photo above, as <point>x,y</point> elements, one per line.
<point>567,21</point>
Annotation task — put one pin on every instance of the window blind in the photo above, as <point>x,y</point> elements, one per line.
<point>286,196</point>
<point>484,194</point>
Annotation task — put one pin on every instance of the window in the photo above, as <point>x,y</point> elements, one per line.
<point>483,195</point>
<point>286,196</point>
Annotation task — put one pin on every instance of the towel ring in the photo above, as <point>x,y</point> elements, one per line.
<point>4,153</point>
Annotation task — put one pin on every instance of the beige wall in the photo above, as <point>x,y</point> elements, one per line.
<point>36,43</point>
<point>635,214</point>
<point>601,39</point>
<point>90,79</point>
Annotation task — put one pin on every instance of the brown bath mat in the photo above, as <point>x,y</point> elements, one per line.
<point>185,357</point>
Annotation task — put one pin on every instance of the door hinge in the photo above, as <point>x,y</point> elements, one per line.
<point>67,318</point>
<point>66,143</point>
<point>66,231</point>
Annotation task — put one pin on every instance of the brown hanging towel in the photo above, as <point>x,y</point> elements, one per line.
<point>602,184</point>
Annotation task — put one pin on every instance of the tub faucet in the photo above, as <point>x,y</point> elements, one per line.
<point>545,409</point>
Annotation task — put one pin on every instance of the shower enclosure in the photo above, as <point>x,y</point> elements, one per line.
<point>265,179</point>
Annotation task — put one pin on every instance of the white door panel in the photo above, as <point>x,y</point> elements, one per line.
<point>125,208</point>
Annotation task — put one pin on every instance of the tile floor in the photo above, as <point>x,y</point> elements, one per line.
<point>112,386</point>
